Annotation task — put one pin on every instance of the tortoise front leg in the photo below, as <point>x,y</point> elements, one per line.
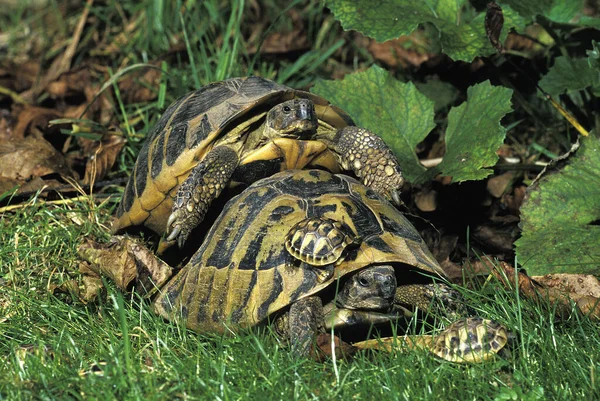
<point>305,322</point>
<point>367,155</point>
<point>205,183</point>
<point>338,318</point>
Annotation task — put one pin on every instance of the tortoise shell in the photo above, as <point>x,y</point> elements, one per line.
<point>242,274</point>
<point>470,340</point>
<point>192,125</point>
<point>318,242</point>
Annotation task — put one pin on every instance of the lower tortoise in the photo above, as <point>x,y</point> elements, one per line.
<point>238,131</point>
<point>378,267</point>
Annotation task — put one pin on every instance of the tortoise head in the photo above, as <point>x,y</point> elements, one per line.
<point>369,289</point>
<point>294,118</point>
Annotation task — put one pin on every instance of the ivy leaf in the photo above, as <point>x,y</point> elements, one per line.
<point>474,134</point>
<point>570,75</point>
<point>460,37</point>
<point>396,111</point>
<point>560,218</point>
<point>554,10</point>
<point>403,117</point>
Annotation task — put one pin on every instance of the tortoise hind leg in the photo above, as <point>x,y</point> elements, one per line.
<point>305,322</point>
<point>205,183</point>
<point>367,156</point>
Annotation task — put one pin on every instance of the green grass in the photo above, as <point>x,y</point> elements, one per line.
<point>54,347</point>
<point>51,343</point>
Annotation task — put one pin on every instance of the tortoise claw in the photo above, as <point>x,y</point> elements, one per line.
<point>396,197</point>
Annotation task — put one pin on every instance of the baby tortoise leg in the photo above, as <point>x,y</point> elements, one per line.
<point>305,322</point>
<point>370,159</point>
<point>204,184</point>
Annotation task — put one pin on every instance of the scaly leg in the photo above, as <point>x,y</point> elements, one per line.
<point>204,184</point>
<point>305,323</point>
<point>365,154</point>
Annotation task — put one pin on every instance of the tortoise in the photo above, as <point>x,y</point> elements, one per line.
<point>235,132</point>
<point>245,275</point>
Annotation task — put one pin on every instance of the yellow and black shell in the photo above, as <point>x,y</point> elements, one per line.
<point>470,340</point>
<point>192,125</point>
<point>242,275</point>
<point>319,242</point>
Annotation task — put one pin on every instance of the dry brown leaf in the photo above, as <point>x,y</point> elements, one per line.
<point>494,22</point>
<point>295,40</point>
<point>324,350</point>
<point>498,185</point>
<point>21,159</point>
<point>32,119</point>
<point>586,304</point>
<point>135,87</point>
<point>127,263</point>
<point>103,157</point>
<point>62,63</point>
<point>398,52</point>
<point>581,284</point>
<point>494,238</point>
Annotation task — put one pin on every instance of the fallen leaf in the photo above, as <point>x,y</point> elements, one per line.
<point>62,63</point>
<point>403,52</point>
<point>32,119</point>
<point>127,263</point>
<point>499,184</point>
<point>586,304</point>
<point>140,86</point>
<point>21,159</point>
<point>324,350</point>
<point>494,22</point>
<point>580,284</point>
<point>103,157</point>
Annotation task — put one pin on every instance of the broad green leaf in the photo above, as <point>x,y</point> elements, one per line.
<point>569,75</point>
<point>394,110</point>
<point>460,38</point>
<point>555,10</point>
<point>474,134</point>
<point>560,218</point>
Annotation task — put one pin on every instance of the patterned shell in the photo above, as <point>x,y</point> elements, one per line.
<point>188,130</point>
<point>318,242</point>
<point>244,273</point>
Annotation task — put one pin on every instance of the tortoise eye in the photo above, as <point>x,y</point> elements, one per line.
<point>363,282</point>
<point>287,109</point>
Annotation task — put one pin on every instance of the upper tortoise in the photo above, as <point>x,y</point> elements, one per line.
<point>238,131</point>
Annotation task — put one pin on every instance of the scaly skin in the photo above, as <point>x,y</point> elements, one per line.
<point>205,183</point>
<point>369,158</point>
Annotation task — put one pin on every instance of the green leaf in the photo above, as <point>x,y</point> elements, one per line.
<point>460,38</point>
<point>594,56</point>
<point>560,218</point>
<point>474,134</point>
<point>394,110</point>
<point>555,10</point>
<point>569,75</point>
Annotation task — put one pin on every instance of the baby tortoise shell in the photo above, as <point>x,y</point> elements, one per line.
<point>319,242</point>
<point>238,131</point>
<point>467,340</point>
